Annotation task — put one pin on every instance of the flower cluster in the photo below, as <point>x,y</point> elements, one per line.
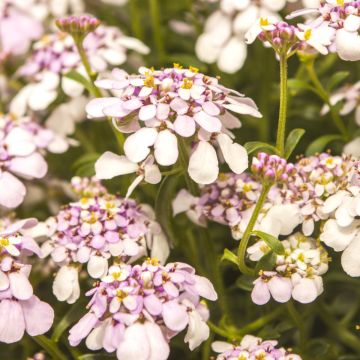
<point>252,348</point>
<point>56,54</point>
<point>272,168</point>
<point>78,26</point>
<point>297,273</point>
<point>22,144</point>
<point>336,28</point>
<point>223,40</point>
<point>136,310</point>
<point>93,230</point>
<point>160,106</point>
<point>85,187</point>
<point>20,309</point>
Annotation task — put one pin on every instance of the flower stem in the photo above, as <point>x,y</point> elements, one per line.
<point>298,321</point>
<point>156,28</point>
<point>50,347</point>
<point>280,138</point>
<point>338,122</point>
<point>245,239</point>
<point>136,19</point>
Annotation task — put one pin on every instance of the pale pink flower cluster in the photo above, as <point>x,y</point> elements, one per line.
<point>136,310</point>
<point>252,348</point>
<point>96,229</point>
<point>336,28</point>
<point>159,108</point>
<point>23,142</point>
<point>20,309</point>
<point>296,274</point>
<point>55,55</point>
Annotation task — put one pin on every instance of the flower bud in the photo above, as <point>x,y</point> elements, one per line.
<point>78,26</point>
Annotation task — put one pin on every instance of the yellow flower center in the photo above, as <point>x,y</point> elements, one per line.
<point>340,2</point>
<point>92,219</point>
<point>4,241</point>
<point>121,294</point>
<point>247,187</point>
<point>264,21</point>
<point>329,161</point>
<point>177,66</point>
<point>152,261</point>
<point>307,34</point>
<point>187,83</point>
<point>149,80</point>
<point>84,201</point>
<point>116,275</point>
<point>193,69</point>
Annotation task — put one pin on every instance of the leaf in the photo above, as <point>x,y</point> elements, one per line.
<point>69,318</point>
<point>266,263</point>
<point>50,347</point>
<point>271,241</point>
<point>336,79</point>
<point>85,159</point>
<point>297,85</point>
<point>245,283</point>
<point>81,79</point>
<point>230,256</point>
<point>292,141</point>
<point>320,143</point>
<point>253,146</point>
<point>163,208</point>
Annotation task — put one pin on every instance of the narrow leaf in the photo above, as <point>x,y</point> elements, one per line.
<point>292,141</point>
<point>81,79</point>
<point>230,256</point>
<point>266,263</point>
<point>320,143</point>
<point>253,146</point>
<point>271,241</point>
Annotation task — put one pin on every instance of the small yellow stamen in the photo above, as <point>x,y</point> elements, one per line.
<point>193,69</point>
<point>4,242</point>
<point>116,275</point>
<point>152,261</point>
<point>307,34</point>
<point>177,66</point>
<point>84,200</point>
<point>187,83</point>
<point>149,80</point>
<point>247,187</point>
<point>264,21</point>
<point>340,2</point>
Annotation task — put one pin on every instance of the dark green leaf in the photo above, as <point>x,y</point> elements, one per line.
<point>81,79</point>
<point>267,262</point>
<point>336,79</point>
<point>253,146</point>
<point>163,207</point>
<point>292,141</point>
<point>320,144</point>
<point>271,241</point>
<point>230,256</point>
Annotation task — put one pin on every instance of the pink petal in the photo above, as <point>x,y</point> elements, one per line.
<point>166,148</point>
<point>211,109</point>
<point>12,191</point>
<point>147,112</point>
<point>32,166</point>
<point>20,285</point>
<point>179,105</point>
<point>184,125</point>
<point>175,316</point>
<point>12,324</point>
<point>207,122</point>
<point>260,294</point>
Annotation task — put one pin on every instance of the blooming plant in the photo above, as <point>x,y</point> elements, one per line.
<point>149,210</point>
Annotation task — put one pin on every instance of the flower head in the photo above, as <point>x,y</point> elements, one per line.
<point>145,304</point>
<point>78,26</point>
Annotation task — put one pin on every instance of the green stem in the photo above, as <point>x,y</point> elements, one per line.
<point>297,318</point>
<point>280,138</point>
<point>322,93</point>
<point>224,333</point>
<point>136,19</point>
<point>50,347</point>
<point>156,27</point>
<point>246,237</point>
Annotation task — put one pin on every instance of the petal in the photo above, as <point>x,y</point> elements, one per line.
<point>198,331</point>
<point>147,112</point>
<point>205,288</point>
<point>32,166</point>
<point>184,125</point>
<point>166,148</point>
<point>4,281</point>
<point>179,105</point>
<point>159,347</point>
<point>232,56</point>
<point>38,315</point>
<point>152,174</point>
<point>305,291</point>
<point>12,324</point>
<point>350,258</point>
<point>234,154</point>
<point>153,305</point>
<point>19,142</point>
<point>203,164</point>
<point>280,289</point>
<point>137,145</point>
<point>175,315</point>
<point>97,267</point>
<point>12,191</point>
<point>260,294</point>
<point>109,165</point>
<point>95,339</point>
<point>207,122</point>
<point>95,108</point>
<point>64,283</point>
<point>20,285</point>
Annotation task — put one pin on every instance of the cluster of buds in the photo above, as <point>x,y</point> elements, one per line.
<point>252,347</point>
<point>85,187</point>
<point>20,309</point>
<point>95,229</point>
<point>297,273</point>
<point>135,310</point>
<point>272,168</point>
<point>78,26</point>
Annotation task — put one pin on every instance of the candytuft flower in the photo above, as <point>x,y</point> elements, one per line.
<point>135,310</point>
<point>159,108</point>
<point>78,26</point>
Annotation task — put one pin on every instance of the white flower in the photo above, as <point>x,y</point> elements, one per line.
<point>348,39</point>
<point>66,284</point>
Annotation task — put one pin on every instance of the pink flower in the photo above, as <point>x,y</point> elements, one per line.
<point>159,107</point>
<point>22,142</point>
<point>135,310</point>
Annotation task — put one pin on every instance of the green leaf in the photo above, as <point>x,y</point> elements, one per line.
<point>297,85</point>
<point>245,283</point>
<point>320,143</point>
<point>70,317</point>
<point>292,141</point>
<point>81,79</point>
<point>267,262</point>
<point>230,256</point>
<point>163,208</point>
<point>253,146</point>
<point>271,241</point>
<point>336,79</point>
<point>85,159</point>
<point>50,347</point>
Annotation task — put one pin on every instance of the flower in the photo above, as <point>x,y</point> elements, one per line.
<point>55,55</point>
<point>94,229</point>
<point>296,274</point>
<point>223,39</point>
<point>252,347</point>
<point>20,309</point>
<point>135,310</point>
<point>78,26</point>
<point>161,107</point>
<point>17,28</point>
<point>22,144</point>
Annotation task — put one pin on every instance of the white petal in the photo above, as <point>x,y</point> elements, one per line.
<point>137,145</point>
<point>166,148</point>
<point>350,260</point>
<point>109,165</point>
<point>97,267</point>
